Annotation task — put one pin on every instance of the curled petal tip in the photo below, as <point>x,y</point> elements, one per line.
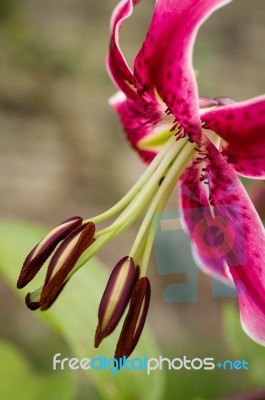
<point>40,253</point>
<point>116,297</point>
<point>135,319</point>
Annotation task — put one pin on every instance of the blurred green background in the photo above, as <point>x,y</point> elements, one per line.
<point>63,153</point>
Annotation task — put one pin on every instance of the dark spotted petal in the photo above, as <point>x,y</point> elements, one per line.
<point>165,59</point>
<point>141,119</point>
<point>63,261</point>
<point>246,260</point>
<point>44,249</point>
<point>238,238</point>
<point>242,126</point>
<point>116,297</point>
<point>198,220</point>
<point>135,319</point>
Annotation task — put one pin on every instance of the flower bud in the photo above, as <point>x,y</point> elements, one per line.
<point>205,102</point>
<point>115,297</point>
<point>44,249</point>
<point>63,261</point>
<point>224,101</point>
<point>135,319</point>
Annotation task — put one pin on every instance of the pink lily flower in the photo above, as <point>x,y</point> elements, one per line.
<point>199,142</point>
<point>217,140</point>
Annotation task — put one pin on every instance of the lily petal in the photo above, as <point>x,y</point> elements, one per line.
<point>117,66</point>
<point>242,126</point>
<point>249,276</point>
<point>164,62</point>
<point>141,119</point>
<point>244,241</point>
<point>198,221</point>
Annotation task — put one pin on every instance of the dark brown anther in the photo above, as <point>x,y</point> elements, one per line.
<point>63,261</point>
<point>115,297</point>
<point>135,319</point>
<point>44,249</point>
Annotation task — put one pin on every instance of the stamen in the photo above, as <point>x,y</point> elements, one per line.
<point>116,297</point>
<point>164,191</point>
<point>135,319</point>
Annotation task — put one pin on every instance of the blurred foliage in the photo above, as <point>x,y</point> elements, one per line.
<point>7,8</point>
<point>74,316</point>
<point>62,150</point>
<point>243,347</point>
<point>19,381</point>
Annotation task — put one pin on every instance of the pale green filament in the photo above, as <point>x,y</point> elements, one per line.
<point>152,190</point>
<point>141,200</point>
<point>155,193</point>
<point>138,185</point>
<point>164,192</point>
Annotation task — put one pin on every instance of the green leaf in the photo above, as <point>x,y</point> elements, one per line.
<point>242,346</point>
<point>19,380</point>
<point>74,315</point>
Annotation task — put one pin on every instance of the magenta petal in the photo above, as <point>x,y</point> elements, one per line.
<point>165,59</point>
<point>117,66</point>
<point>242,126</point>
<point>246,259</point>
<point>198,221</point>
<point>230,228</point>
<point>139,118</point>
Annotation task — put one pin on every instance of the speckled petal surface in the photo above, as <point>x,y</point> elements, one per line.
<point>246,259</point>
<point>242,126</point>
<point>165,60</point>
<point>198,221</point>
<point>139,118</point>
